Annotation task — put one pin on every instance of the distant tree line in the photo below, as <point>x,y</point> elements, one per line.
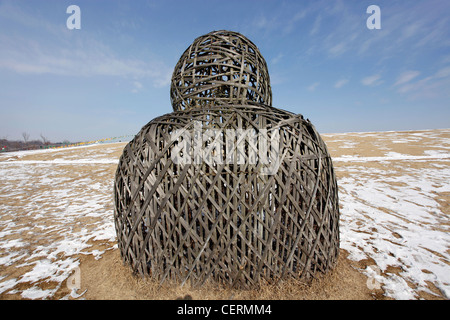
<point>27,144</point>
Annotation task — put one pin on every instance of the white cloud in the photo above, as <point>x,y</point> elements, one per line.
<point>277,59</point>
<point>261,22</point>
<point>9,10</point>
<point>137,86</point>
<point>338,49</point>
<point>345,30</point>
<point>87,60</point>
<point>299,15</point>
<point>58,52</point>
<point>289,24</point>
<point>406,76</point>
<point>340,83</point>
<point>316,26</point>
<point>372,80</point>
<point>313,86</point>
<point>442,73</point>
<point>411,30</point>
<point>280,20</point>
<point>446,58</point>
<point>430,87</point>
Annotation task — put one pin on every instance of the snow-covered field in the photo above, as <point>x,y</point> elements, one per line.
<point>56,205</point>
<point>395,207</point>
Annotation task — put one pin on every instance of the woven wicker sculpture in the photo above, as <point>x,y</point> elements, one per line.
<point>226,188</point>
<point>220,68</point>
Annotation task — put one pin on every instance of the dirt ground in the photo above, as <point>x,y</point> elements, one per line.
<point>109,279</point>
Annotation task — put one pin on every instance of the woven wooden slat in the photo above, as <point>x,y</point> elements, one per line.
<point>226,187</point>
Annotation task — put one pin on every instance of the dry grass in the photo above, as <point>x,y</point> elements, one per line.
<point>109,279</point>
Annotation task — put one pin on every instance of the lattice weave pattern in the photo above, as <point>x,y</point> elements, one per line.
<point>226,187</point>
<point>222,67</point>
<point>224,220</point>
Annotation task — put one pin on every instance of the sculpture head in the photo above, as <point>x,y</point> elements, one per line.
<point>221,67</point>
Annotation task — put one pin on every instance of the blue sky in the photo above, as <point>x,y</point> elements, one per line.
<point>112,77</point>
